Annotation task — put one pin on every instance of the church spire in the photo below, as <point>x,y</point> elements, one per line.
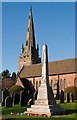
<point>30,11</point>
<point>30,54</point>
<point>30,37</point>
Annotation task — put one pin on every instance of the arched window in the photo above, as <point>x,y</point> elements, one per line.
<point>34,82</point>
<point>39,82</point>
<point>52,84</point>
<point>36,85</point>
<point>65,83</point>
<point>60,84</point>
<point>75,82</point>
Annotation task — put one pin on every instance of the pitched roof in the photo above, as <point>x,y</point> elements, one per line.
<point>54,68</point>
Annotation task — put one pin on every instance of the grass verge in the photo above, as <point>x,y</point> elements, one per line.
<point>70,112</point>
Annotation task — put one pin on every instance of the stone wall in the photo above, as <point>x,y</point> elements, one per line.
<point>64,81</point>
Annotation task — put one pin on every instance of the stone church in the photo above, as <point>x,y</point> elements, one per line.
<point>62,74</point>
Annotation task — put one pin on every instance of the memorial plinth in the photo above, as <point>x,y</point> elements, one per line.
<point>45,103</point>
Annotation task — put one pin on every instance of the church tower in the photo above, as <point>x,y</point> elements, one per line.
<point>30,54</point>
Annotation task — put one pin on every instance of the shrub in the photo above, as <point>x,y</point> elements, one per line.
<point>15,89</point>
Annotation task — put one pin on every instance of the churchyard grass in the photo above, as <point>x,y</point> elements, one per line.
<point>70,109</point>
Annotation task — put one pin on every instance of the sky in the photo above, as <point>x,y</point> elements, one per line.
<point>0,36</point>
<point>54,24</point>
<point>38,0</point>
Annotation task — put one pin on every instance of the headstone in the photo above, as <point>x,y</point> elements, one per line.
<point>67,97</point>
<point>72,97</point>
<point>8,102</point>
<point>5,93</point>
<point>13,97</point>
<point>16,98</point>
<point>23,98</point>
<point>62,97</point>
<point>45,103</point>
<point>57,95</point>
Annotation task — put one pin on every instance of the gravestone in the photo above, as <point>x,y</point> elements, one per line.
<point>23,98</point>
<point>8,102</point>
<point>62,97</point>
<point>72,97</point>
<point>5,93</point>
<point>67,97</point>
<point>16,98</point>
<point>45,103</point>
<point>12,97</point>
<point>57,95</point>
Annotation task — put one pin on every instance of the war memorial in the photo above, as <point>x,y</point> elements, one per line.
<point>45,103</point>
<point>40,83</point>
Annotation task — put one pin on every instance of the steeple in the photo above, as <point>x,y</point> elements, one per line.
<point>30,37</point>
<point>30,11</point>
<point>30,54</point>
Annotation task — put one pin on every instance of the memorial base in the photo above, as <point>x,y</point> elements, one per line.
<point>42,106</point>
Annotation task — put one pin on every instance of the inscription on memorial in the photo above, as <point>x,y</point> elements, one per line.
<point>42,93</point>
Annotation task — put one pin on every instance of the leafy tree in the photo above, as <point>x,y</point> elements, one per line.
<point>5,74</point>
<point>0,77</point>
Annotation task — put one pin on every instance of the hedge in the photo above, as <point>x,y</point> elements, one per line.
<point>15,89</point>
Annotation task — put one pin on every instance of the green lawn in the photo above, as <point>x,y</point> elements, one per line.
<point>70,112</point>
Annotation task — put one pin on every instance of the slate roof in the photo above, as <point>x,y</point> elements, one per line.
<point>57,67</point>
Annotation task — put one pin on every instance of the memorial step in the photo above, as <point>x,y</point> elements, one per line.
<point>41,110</point>
<point>39,106</point>
<point>41,101</point>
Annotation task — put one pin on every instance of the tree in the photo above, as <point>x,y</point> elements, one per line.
<point>13,77</point>
<point>0,77</point>
<point>5,74</point>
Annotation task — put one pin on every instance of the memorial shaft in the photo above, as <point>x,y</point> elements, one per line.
<point>45,79</point>
<point>45,102</point>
